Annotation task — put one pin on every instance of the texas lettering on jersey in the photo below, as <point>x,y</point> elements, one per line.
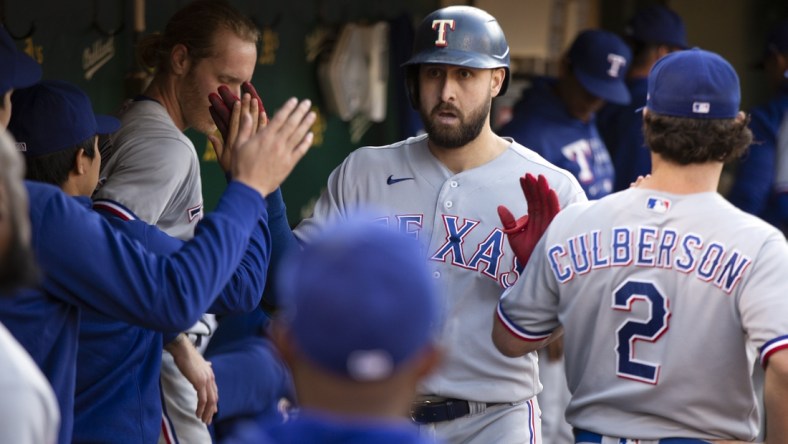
<point>643,246</point>
<point>484,257</point>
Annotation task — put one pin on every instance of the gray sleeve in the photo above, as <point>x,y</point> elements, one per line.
<point>530,306</point>
<point>762,302</point>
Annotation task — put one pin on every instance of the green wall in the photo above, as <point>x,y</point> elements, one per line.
<point>90,43</point>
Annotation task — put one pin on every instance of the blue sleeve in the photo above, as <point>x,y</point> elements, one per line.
<point>283,241</point>
<point>755,172</point>
<point>243,292</point>
<point>89,264</point>
<point>245,289</point>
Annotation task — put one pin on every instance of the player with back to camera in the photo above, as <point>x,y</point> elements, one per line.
<point>443,188</point>
<point>665,293</point>
<point>358,329</point>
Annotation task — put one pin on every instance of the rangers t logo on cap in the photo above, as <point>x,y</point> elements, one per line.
<point>440,25</point>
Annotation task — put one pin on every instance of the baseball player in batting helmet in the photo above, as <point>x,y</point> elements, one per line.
<point>444,189</point>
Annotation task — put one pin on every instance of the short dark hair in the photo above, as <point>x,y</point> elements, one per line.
<point>53,168</point>
<point>194,26</point>
<point>685,141</point>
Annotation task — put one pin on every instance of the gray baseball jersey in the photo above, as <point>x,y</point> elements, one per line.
<point>666,301</point>
<point>455,217</point>
<point>154,170</point>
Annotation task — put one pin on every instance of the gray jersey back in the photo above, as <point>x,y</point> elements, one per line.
<point>666,301</point>
<point>154,170</point>
<point>455,217</point>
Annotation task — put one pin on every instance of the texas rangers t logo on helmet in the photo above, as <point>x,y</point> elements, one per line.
<point>440,25</point>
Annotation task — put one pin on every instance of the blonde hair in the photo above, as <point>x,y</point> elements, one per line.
<point>194,26</point>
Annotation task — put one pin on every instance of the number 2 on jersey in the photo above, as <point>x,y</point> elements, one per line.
<point>634,330</point>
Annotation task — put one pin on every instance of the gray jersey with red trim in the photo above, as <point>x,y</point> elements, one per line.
<point>666,302</point>
<point>455,217</point>
<point>154,170</point>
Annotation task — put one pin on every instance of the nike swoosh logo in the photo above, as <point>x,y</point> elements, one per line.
<point>391,180</point>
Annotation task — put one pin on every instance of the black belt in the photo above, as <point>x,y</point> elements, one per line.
<point>425,412</point>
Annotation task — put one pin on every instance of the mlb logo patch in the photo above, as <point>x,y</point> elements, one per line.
<point>21,146</point>
<point>701,107</point>
<point>658,205</point>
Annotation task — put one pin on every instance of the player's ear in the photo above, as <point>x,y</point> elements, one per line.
<point>80,166</point>
<point>180,61</point>
<point>498,76</point>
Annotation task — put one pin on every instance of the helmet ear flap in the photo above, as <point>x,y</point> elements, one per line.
<point>412,84</point>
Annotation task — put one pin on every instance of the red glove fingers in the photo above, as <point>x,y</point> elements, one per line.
<point>219,112</point>
<point>247,87</point>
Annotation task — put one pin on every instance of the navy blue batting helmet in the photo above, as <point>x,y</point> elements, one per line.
<point>458,35</point>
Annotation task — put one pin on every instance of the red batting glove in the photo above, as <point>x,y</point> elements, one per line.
<point>247,87</point>
<point>221,108</point>
<point>525,232</point>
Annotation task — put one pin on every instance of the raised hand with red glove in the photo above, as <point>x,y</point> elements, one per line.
<point>525,232</point>
<point>226,110</point>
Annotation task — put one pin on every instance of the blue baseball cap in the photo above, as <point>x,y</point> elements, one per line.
<point>54,115</point>
<point>694,83</point>
<point>657,24</point>
<point>600,60</point>
<point>17,69</point>
<point>358,302</point>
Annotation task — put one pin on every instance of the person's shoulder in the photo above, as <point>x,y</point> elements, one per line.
<point>146,125</point>
<point>386,153</point>
<point>38,192</point>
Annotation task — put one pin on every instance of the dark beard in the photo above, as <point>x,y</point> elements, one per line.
<point>469,128</point>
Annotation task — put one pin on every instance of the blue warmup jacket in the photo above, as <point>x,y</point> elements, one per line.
<point>621,128</point>
<point>541,123</point>
<point>118,363</point>
<point>88,264</point>
<point>753,189</point>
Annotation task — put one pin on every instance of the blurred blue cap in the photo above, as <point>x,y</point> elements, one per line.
<point>600,60</point>
<point>694,83</point>
<point>17,69</point>
<point>54,115</point>
<point>657,24</point>
<point>359,300</point>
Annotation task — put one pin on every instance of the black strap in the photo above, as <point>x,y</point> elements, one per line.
<point>429,412</point>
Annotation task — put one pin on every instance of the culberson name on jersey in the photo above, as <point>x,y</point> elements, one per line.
<point>644,246</point>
